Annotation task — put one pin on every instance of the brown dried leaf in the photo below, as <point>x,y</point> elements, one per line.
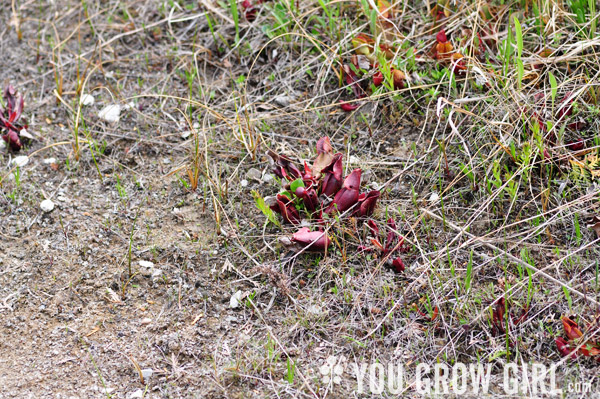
<point>324,156</point>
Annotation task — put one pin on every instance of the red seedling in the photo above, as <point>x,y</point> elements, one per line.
<point>398,265</point>
<point>378,78</point>
<point>576,145</point>
<point>499,315</point>
<point>9,117</point>
<point>367,203</point>
<point>309,192</point>
<point>283,167</point>
<point>575,337</point>
<point>436,312</point>
<point>444,51</point>
<point>353,81</point>
<point>250,10</point>
<point>563,348</point>
<point>399,78</point>
<point>392,244</point>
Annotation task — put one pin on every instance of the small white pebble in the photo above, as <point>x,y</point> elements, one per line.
<point>314,309</point>
<point>49,161</point>
<point>186,134</point>
<point>235,299</point>
<point>147,374</point>
<point>136,394</point>
<point>87,99</point>
<point>354,160</point>
<point>25,134</point>
<point>20,161</point>
<point>267,178</point>
<point>435,197</point>
<point>111,113</point>
<point>47,205</point>
<point>146,263</point>
<point>156,273</point>
<point>285,241</point>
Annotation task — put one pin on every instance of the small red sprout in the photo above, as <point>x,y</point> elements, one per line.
<point>444,51</point>
<point>575,337</point>
<point>392,244</point>
<point>250,10</point>
<point>10,116</point>
<point>378,78</point>
<point>499,326</point>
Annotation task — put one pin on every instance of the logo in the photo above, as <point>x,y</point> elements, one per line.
<point>442,379</point>
<point>332,370</point>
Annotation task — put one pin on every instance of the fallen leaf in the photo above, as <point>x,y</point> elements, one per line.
<point>324,156</point>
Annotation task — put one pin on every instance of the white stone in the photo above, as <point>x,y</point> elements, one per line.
<point>156,274</point>
<point>20,161</point>
<point>235,300</point>
<point>146,263</point>
<point>47,205</point>
<point>25,134</point>
<point>147,374</point>
<point>2,145</point>
<point>49,161</point>
<point>254,174</point>
<point>282,101</point>
<point>136,394</point>
<point>480,77</point>
<point>435,197</point>
<point>111,113</point>
<point>314,309</point>
<point>285,241</point>
<point>87,99</point>
<point>267,178</point>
